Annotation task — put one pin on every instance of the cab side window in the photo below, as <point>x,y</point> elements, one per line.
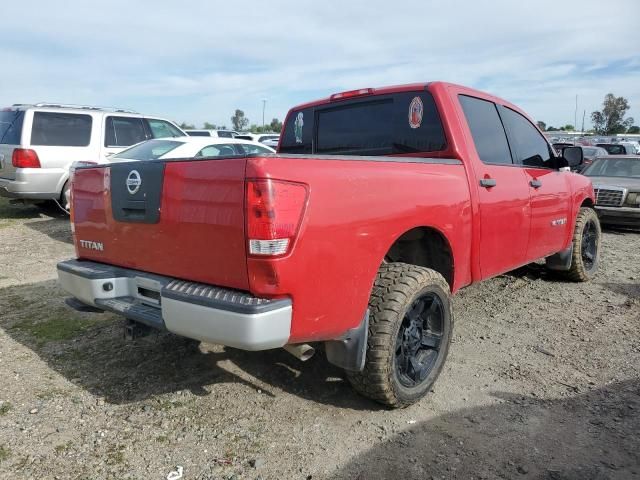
<point>487,131</point>
<point>530,147</point>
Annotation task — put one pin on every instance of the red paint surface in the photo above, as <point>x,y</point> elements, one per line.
<point>354,213</point>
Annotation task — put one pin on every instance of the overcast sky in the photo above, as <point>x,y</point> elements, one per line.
<point>199,60</point>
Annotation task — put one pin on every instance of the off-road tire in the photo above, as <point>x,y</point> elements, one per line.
<point>395,290</point>
<point>579,271</point>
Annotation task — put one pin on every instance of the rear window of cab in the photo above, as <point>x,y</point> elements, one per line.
<point>376,125</point>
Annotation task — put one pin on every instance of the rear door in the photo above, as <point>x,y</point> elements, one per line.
<point>10,138</point>
<point>121,132</point>
<point>548,188</point>
<point>503,192</point>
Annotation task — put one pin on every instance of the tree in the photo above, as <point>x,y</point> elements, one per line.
<point>209,126</point>
<point>239,121</point>
<point>634,129</point>
<point>568,128</point>
<point>552,129</point>
<point>187,126</point>
<point>275,125</point>
<point>541,125</point>
<point>610,120</point>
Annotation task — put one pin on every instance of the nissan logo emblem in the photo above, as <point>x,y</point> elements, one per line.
<point>134,180</point>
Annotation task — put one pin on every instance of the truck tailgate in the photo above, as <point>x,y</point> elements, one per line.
<point>179,218</point>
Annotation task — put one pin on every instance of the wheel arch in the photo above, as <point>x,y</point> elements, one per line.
<point>424,246</point>
<point>587,202</point>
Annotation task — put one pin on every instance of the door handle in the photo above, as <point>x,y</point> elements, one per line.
<point>487,182</point>
<point>535,183</point>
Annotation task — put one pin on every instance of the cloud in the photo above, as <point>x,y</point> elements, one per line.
<point>200,60</point>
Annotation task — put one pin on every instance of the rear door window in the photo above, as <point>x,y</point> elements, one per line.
<point>381,125</point>
<point>487,130</point>
<point>61,129</point>
<point>11,126</point>
<point>530,147</point>
<point>124,131</point>
<point>151,150</point>
<point>162,129</point>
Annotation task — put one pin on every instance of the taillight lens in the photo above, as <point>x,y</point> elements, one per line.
<point>25,158</point>
<point>274,212</point>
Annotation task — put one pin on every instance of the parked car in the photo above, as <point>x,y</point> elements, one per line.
<point>633,147</point>
<point>38,144</point>
<point>272,142</point>
<point>560,145</point>
<point>260,137</point>
<point>616,181</point>
<point>380,204</point>
<point>617,148</point>
<point>212,133</point>
<point>590,153</point>
<point>190,147</point>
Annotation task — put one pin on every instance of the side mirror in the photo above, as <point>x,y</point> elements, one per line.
<point>573,155</point>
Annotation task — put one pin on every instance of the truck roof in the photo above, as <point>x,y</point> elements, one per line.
<point>412,87</point>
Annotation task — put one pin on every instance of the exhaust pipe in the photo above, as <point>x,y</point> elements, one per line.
<point>302,351</point>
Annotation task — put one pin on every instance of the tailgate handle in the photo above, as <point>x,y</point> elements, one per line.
<point>134,208</point>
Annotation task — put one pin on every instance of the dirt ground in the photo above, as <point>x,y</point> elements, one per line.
<point>543,382</point>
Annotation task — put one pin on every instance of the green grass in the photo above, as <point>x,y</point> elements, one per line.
<point>4,408</point>
<point>4,453</point>
<point>55,329</point>
<point>50,394</point>
<point>15,211</point>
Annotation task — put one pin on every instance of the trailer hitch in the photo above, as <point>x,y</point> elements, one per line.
<point>134,330</point>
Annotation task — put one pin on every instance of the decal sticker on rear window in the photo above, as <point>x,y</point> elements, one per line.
<point>299,123</point>
<point>416,110</point>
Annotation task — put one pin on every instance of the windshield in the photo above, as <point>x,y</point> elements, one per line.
<point>10,126</point>
<point>624,167</point>
<point>149,150</point>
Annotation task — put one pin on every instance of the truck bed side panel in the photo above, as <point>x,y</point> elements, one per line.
<point>356,210</point>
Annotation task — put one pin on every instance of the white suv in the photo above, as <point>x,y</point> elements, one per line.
<point>38,144</point>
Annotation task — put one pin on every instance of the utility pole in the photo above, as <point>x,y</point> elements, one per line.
<point>584,112</point>
<point>264,105</point>
<point>575,115</point>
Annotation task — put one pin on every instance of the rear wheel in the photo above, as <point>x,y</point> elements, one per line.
<point>410,329</point>
<point>587,236</point>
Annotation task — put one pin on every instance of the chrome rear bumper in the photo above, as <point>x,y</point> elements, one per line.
<point>194,310</point>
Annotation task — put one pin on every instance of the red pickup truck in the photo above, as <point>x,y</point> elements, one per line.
<point>379,204</point>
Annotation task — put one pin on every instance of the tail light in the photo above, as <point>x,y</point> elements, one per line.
<point>274,212</point>
<point>25,158</point>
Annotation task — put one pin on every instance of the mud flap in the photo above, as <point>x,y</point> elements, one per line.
<point>560,261</point>
<point>349,351</point>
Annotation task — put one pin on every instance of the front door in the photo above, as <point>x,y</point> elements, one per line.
<point>548,187</point>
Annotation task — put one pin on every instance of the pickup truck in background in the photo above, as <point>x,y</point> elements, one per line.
<point>379,205</point>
